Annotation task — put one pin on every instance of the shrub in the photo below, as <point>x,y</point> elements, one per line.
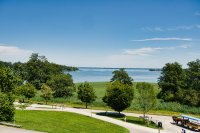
<point>7,109</point>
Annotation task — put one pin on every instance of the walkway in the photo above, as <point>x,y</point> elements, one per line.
<point>5,129</point>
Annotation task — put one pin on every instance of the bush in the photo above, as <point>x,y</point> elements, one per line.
<point>7,109</point>
<point>25,91</point>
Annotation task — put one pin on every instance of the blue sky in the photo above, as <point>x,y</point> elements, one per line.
<point>101,33</point>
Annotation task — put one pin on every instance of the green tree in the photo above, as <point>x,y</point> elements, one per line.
<point>62,85</point>
<point>20,70</point>
<point>26,91</point>
<point>5,64</point>
<point>86,93</point>
<point>7,109</point>
<point>118,96</point>
<point>172,80</point>
<point>193,75</point>
<point>192,93</point>
<point>8,82</point>
<point>191,97</point>
<point>122,76</point>
<point>46,93</point>
<point>37,72</point>
<point>147,96</point>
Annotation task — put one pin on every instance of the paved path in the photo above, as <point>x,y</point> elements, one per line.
<point>5,129</point>
<point>133,128</point>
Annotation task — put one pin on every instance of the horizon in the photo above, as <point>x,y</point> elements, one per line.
<point>103,34</point>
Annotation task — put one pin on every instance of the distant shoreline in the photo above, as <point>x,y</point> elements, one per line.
<point>119,68</point>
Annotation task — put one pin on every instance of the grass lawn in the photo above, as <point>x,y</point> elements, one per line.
<point>99,87</point>
<point>130,119</point>
<point>64,122</point>
<point>140,121</point>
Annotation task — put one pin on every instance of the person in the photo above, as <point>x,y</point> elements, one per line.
<point>183,131</point>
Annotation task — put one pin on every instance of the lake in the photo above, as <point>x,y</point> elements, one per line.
<point>105,74</point>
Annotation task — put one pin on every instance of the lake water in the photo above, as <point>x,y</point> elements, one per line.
<point>105,74</point>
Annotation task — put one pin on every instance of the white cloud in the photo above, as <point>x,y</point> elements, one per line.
<point>149,50</point>
<point>170,28</point>
<point>141,51</point>
<point>12,53</point>
<point>149,57</point>
<point>163,39</point>
<point>184,46</point>
<point>11,50</point>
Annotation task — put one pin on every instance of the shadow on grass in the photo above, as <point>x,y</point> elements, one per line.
<point>111,114</point>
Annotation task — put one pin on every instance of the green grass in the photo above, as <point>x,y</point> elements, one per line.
<point>130,119</point>
<point>140,121</point>
<point>100,88</point>
<point>64,122</point>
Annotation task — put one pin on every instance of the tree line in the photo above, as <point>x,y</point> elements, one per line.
<point>23,79</point>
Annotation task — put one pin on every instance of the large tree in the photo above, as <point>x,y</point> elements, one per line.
<point>192,89</point>
<point>118,96</point>
<point>62,85</point>
<point>146,96</point>
<point>37,72</point>
<point>172,80</point>
<point>122,76</point>
<point>86,93</point>
<point>193,75</point>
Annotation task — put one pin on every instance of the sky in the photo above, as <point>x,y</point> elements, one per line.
<point>101,33</point>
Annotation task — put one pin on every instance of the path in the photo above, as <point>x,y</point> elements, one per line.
<point>133,128</point>
<point>5,129</point>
